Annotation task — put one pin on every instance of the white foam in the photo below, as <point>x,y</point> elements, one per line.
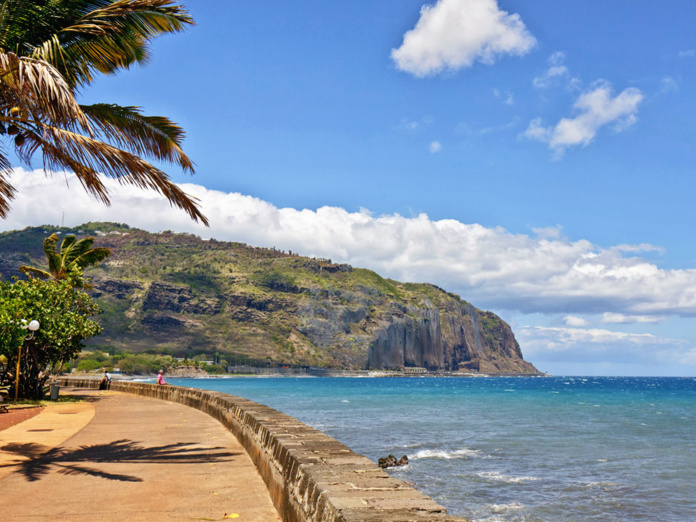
<point>463,453</point>
<point>502,508</point>
<point>499,477</point>
<point>601,485</point>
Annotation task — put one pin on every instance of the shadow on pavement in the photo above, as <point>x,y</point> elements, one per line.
<point>73,461</point>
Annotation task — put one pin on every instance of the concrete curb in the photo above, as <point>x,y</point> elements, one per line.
<point>310,476</point>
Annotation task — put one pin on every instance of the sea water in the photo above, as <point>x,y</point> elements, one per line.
<point>513,449</point>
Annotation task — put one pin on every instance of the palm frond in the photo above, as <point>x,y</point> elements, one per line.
<point>129,129</point>
<point>7,191</point>
<point>87,156</point>
<point>54,259</point>
<point>34,272</point>
<point>112,35</point>
<point>38,89</point>
<point>92,257</point>
<point>146,18</point>
<point>66,245</point>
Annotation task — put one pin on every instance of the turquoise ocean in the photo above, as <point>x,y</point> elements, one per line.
<point>511,449</point>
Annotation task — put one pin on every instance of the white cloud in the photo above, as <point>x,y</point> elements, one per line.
<point>596,351</point>
<point>668,84</point>
<point>690,53</point>
<point>435,147</point>
<point>614,318</point>
<point>507,96</point>
<point>544,338</point>
<point>556,71</point>
<point>412,125</point>
<point>499,128</point>
<point>574,321</point>
<point>539,273</point>
<point>453,34</point>
<point>597,108</point>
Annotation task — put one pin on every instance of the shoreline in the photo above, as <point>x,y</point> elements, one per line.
<point>294,373</point>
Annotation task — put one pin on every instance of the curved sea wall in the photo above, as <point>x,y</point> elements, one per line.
<point>310,476</point>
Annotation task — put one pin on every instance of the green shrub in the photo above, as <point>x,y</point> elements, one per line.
<point>88,365</point>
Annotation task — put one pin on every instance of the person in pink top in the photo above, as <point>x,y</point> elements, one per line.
<point>160,378</point>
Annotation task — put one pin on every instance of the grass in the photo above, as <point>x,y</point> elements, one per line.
<point>29,403</point>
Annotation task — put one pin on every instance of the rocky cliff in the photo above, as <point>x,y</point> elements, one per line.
<point>178,294</point>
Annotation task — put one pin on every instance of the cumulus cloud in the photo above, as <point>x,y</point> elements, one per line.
<point>572,320</point>
<point>492,267</point>
<point>453,34</point>
<point>543,338</point>
<point>614,318</point>
<point>668,84</point>
<point>413,125</point>
<point>434,147</point>
<point>556,71</point>
<point>604,352</point>
<point>596,108</point>
<point>507,96</point>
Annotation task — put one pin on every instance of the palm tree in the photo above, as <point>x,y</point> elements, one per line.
<point>49,49</point>
<point>68,263</point>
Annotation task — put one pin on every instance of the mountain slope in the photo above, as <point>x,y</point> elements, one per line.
<point>176,293</point>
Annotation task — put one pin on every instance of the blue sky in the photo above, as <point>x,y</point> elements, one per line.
<point>535,157</point>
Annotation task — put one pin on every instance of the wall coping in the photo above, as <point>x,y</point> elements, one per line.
<point>309,475</point>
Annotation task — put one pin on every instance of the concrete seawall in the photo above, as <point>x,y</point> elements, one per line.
<point>310,476</point>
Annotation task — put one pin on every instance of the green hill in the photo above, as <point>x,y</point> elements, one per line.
<point>178,294</point>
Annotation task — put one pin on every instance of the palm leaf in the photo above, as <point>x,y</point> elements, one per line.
<point>65,248</point>
<point>92,257</point>
<point>127,128</point>
<point>54,259</point>
<point>7,191</point>
<point>34,272</point>
<point>39,91</point>
<point>105,36</point>
<point>87,156</point>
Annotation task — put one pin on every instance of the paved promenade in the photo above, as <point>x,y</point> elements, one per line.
<point>123,457</point>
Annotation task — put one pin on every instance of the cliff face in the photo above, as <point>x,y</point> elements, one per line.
<point>176,293</point>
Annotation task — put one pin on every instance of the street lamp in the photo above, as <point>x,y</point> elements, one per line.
<point>33,326</point>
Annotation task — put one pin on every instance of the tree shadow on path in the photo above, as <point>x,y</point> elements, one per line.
<point>74,461</point>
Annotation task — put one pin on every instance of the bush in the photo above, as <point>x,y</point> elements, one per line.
<point>88,365</point>
<point>63,314</point>
<point>144,364</point>
<point>277,281</point>
<point>214,369</point>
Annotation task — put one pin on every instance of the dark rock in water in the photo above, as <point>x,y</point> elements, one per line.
<point>390,461</point>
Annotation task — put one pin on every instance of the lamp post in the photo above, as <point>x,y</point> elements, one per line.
<point>33,326</point>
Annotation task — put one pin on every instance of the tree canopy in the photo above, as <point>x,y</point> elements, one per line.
<point>51,48</point>
<point>69,262</point>
<point>63,314</point>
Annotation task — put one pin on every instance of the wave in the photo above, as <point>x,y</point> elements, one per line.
<point>499,477</point>
<point>502,508</point>
<point>604,484</point>
<point>463,453</point>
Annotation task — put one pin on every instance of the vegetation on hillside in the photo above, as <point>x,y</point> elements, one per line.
<point>176,294</point>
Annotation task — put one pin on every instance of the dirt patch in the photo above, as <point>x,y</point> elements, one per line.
<point>17,415</point>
